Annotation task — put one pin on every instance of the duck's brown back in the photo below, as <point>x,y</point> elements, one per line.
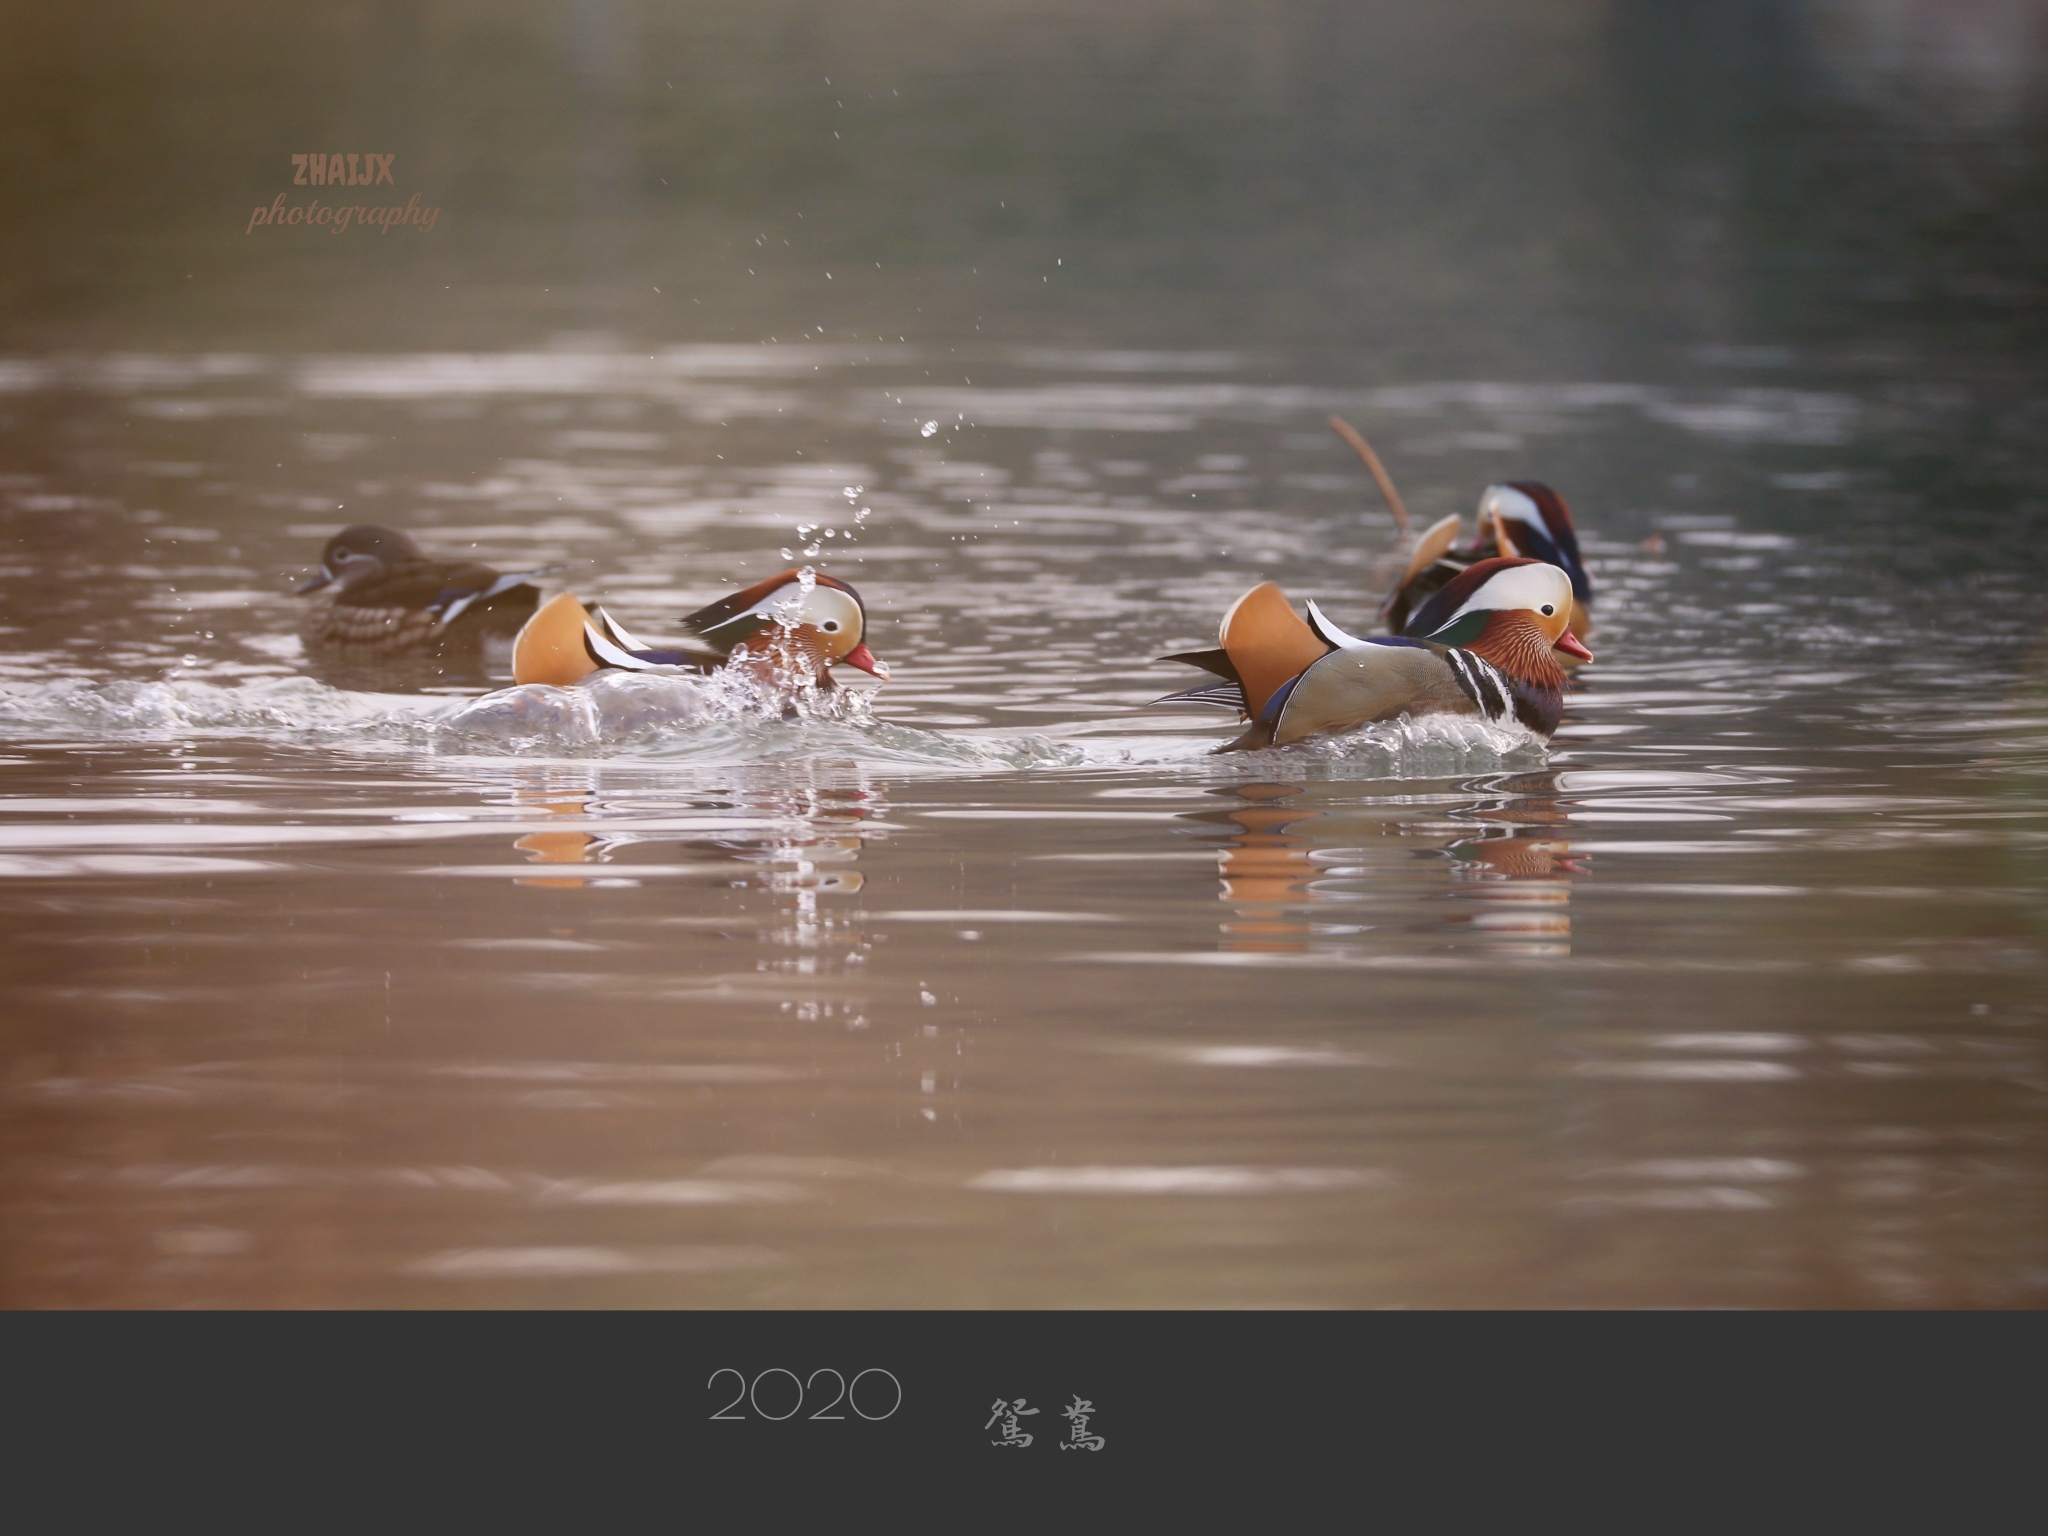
<point>387,612</point>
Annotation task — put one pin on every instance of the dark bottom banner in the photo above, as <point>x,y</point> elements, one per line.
<point>1449,1409</point>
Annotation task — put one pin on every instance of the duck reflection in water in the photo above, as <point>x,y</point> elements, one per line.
<point>817,831</point>
<point>1515,893</point>
<point>1265,870</point>
<point>1509,879</point>
<point>558,847</point>
<point>1512,883</point>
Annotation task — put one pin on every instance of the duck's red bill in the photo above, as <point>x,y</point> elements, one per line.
<point>1572,645</point>
<point>860,656</point>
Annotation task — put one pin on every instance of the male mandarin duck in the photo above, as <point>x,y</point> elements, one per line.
<point>380,594</point>
<point>786,630</point>
<point>1520,519</point>
<point>1487,643</point>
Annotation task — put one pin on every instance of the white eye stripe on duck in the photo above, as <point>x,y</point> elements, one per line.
<point>1523,586</point>
<point>832,612</point>
<point>1504,501</point>
<point>828,610</point>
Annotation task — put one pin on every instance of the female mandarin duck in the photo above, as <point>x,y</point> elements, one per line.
<point>379,594</point>
<point>785,631</point>
<point>1487,643</point>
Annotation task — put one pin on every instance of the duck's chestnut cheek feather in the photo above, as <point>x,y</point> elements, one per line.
<point>1572,645</point>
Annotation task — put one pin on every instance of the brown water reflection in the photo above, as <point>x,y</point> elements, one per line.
<point>982,1041</point>
<point>1287,869</point>
<point>1514,881</point>
<point>558,847</point>
<point>1265,869</point>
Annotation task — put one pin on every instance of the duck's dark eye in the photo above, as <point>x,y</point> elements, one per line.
<point>341,551</point>
<point>830,626</point>
<point>1547,610</point>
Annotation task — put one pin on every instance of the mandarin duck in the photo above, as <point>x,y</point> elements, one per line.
<point>1487,643</point>
<point>380,595</point>
<point>1520,519</point>
<point>785,631</point>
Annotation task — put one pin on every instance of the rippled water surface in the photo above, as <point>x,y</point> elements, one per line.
<point>994,986</point>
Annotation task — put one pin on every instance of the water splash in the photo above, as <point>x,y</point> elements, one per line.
<point>297,707</point>
<point>727,717</point>
<point>1431,747</point>
<point>630,716</point>
<point>614,709</point>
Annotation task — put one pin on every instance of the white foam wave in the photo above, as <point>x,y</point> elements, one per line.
<point>69,708</point>
<point>644,716</point>
<point>1431,747</point>
<point>666,717</point>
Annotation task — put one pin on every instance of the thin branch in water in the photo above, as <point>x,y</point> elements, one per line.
<point>1359,445</point>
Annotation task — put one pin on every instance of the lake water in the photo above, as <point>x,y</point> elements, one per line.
<point>994,986</point>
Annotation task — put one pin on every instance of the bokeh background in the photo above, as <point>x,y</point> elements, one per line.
<point>1574,187</point>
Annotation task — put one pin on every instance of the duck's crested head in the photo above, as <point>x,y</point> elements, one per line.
<point>814,609</point>
<point>1537,523</point>
<point>360,549</point>
<point>1534,589</point>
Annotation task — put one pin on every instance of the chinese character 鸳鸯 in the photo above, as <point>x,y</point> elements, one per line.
<point>1007,1413</point>
<point>1078,1438</point>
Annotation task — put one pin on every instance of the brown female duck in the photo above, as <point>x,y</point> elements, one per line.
<point>379,595</point>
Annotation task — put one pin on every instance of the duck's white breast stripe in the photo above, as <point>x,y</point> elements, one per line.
<point>1491,673</point>
<point>1480,676</point>
<point>1465,679</point>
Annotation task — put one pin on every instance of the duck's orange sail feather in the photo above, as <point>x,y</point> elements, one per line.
<point>1268,643</point>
